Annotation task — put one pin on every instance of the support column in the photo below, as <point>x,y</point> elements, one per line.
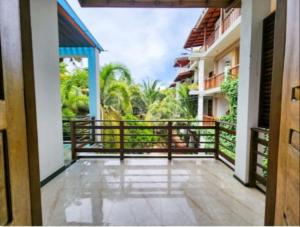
<point>253,13</point>
<point>92,54</point>
<point>201,89</point>
<point>94,86</point>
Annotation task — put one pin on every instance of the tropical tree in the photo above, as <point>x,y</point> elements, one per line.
<point>74,92</point>
<point>165,108</point>
<point>115,80</point>
<point>151,92</point>
<point>187,104</point>
<point>136,99</point>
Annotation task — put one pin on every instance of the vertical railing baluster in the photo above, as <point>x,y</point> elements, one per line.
<point>217,139</point>
<point>169,140</point>
<point>93,131</point>
<point>253,158</point>
<point>73,140</point>
<point>122,140</point>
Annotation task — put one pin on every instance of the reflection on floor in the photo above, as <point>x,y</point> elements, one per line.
<point>150,192</point>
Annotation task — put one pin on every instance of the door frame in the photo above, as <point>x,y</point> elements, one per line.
<point>31,123</point>
<point>30,109</point>
<point>22,146</point>
<point>275,108</point>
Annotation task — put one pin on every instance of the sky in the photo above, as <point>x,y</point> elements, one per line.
<point>147,41</point>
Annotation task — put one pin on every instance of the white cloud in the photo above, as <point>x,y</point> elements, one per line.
<point>145,40</point>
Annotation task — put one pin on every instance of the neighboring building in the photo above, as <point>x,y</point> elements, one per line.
<point>187,73</point>
<point>214,45</point>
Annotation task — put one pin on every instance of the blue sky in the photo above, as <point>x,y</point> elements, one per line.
<point>145,40</point>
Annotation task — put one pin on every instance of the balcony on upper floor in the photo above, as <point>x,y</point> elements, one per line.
<point>194,88</point>
<point>216,80</point>
<point>223,26</point>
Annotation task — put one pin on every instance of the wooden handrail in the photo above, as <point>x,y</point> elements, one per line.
<point>121,137</point>
<point>214,81</point>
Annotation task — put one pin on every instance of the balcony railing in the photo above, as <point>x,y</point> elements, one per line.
<point>169,139</point>
<point>183,69</point>
<point>225,24</point>
<point>235,71</point>
<point>208,120</point>
<point>259,157</point>
<point>214,81</point>
<point>213,37</point>
<point>66,123</point>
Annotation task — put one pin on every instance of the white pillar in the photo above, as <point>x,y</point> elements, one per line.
<point>201,88</point>
<point>44,24</point>
<point>253,13</point>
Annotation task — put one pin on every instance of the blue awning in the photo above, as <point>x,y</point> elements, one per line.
<point>72,31</point>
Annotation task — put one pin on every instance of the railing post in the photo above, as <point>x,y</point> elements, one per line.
<point>93,124</point>
<point>253,158</point>
<point>170,140</point>
<point>122,140</point>
<point>73,140</point>
<point>217,139</point>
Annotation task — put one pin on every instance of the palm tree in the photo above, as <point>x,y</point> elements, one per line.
<point>188,108</point>
<point>115,80</point>
<point>136,99</point>
<point>74,92</point>
<point>165,108</point>
<point>151,92</point>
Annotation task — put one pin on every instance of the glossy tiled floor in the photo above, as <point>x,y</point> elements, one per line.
<point>150,192</point>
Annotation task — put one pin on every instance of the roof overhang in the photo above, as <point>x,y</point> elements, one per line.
<point>72,31</point>
<point>181,62</point>
<point>157,4</point>
<point>184,75</point>
<point>204,27</point>
<point>172,85</point>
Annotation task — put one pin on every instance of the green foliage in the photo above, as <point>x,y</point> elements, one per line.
<point>136,99</point>
<point>121,98</point>
<point>230,89</point>
<point>151,92</point>
<point>115,81</point>
<point>144,135</point>
<point>165,108</point>
<point>173,104</point>
<point>74,92</point>
<point>187,104</point>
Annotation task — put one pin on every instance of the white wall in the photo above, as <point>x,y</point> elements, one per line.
<point>44,23</point>
<point>209,66</point>
<point>222,62</point>
<point>253,13</point>
<point>221,106</point>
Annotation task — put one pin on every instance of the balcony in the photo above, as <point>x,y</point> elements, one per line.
<point>224,26</point>
<point>109,187</point>
<point>152,191</point>
<point>235,71</point>
<point>216,80</point>
<point>194,89</point>
<point>208,120</point>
